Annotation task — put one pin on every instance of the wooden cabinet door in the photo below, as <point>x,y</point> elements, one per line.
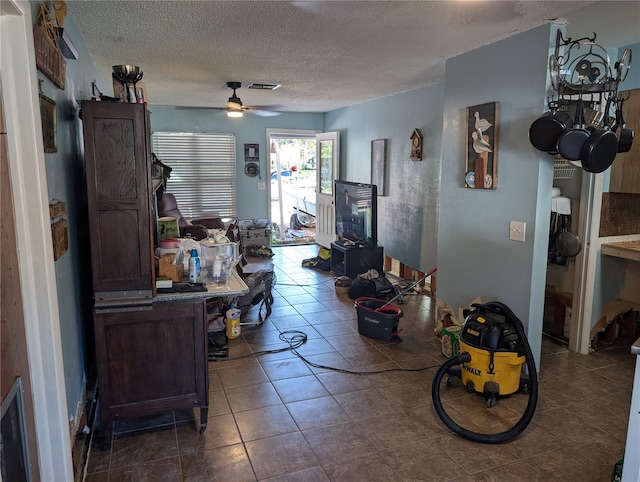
<point>151,361</point>
<point>117,159</point>
<point>625,170</point>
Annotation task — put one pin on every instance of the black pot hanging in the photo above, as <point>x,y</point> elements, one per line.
<point>546,129</point>
<point>600,149</point>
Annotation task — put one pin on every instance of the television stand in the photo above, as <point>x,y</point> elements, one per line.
<point>354,260</point>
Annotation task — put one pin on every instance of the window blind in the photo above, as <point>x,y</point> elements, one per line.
<point>203,176</point>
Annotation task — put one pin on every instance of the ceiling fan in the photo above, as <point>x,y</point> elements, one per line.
<point>235,108</point>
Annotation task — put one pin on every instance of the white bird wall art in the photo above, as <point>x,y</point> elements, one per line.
<point>481,124</point>
<point>480,145</point>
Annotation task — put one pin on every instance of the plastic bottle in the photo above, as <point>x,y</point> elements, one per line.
<point>194,267</point>
<point>233,322</point>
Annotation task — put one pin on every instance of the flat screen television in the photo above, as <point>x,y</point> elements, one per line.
<point>356,212</point>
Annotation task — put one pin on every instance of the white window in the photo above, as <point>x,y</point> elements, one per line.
<point>203,176</point>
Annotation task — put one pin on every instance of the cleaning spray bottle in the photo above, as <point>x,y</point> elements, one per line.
<point>233,322</point>
<point>194,267</point>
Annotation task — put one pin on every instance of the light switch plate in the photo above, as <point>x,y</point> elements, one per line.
<point>262,186</point>
<point>517,230</point>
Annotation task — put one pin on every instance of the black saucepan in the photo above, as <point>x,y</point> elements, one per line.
<point>571,141</point>
<point>600,149</point>
<point>625,135</point>
<point>545,130</point>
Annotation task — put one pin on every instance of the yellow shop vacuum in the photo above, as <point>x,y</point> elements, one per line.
<point>493,352</point>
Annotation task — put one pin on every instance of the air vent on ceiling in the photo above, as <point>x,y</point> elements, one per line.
<point>263,86</point>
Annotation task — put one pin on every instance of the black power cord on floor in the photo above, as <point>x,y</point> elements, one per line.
<point>295,339</point>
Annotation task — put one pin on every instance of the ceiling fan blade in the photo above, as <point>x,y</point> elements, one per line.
<point>263,113</point>
<point>266,110</point>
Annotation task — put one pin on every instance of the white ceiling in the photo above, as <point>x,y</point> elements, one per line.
<point>326,54</point>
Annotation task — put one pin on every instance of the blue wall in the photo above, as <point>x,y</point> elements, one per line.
<point>476,256</point>
<point>250,129</point>
<point>408,216</point>
<point>65,182</point>
<point>429,218</point>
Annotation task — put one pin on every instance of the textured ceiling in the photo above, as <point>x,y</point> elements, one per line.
<point>326,54</point>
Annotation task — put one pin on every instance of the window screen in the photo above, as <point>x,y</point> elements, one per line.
<point>203,176</point>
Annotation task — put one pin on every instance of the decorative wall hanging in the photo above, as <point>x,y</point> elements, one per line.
<point>57,209</point>
<point>49,129</point>
<point>251,153</point>
<point>251,169</point>
<point>49,59</point>
<point>416,145</point>
<point>379,164</point>
<point>481,170</point>
<point>59,229</point>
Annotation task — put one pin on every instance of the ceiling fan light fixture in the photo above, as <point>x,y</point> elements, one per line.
<point>234,113</point>
<point>234,103</point>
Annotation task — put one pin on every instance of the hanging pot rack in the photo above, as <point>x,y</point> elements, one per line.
<point>586,82</point>
<point>585,67</point>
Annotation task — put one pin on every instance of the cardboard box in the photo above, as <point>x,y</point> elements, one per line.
<point>117,88</point>
<point>166,268</point>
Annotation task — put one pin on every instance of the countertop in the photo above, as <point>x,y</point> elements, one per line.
<point>627,247</point>
<point>235,287</point>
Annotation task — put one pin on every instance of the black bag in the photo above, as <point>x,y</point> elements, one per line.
<point>382,286</point>
<point>379,287</point>
<point>361,287</point>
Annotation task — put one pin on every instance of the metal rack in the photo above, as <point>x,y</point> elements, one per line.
<point>563,169</point>
<point>585,67</point>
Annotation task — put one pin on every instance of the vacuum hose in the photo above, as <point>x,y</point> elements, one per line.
<point>514,431</point>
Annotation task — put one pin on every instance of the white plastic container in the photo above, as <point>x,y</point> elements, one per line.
<point>217,261</point>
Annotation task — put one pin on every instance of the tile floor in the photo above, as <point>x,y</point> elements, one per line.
<point>273,417</point>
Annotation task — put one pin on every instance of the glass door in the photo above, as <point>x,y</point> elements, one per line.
<point>292,185</point>
<point>328,156</point>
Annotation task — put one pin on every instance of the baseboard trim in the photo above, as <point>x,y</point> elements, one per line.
<point>81,430</point>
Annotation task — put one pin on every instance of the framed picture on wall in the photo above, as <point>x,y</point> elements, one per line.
<point>481,163</point>
<point>48,115</point>
<point>378,165</point>
<point>251,153</point>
